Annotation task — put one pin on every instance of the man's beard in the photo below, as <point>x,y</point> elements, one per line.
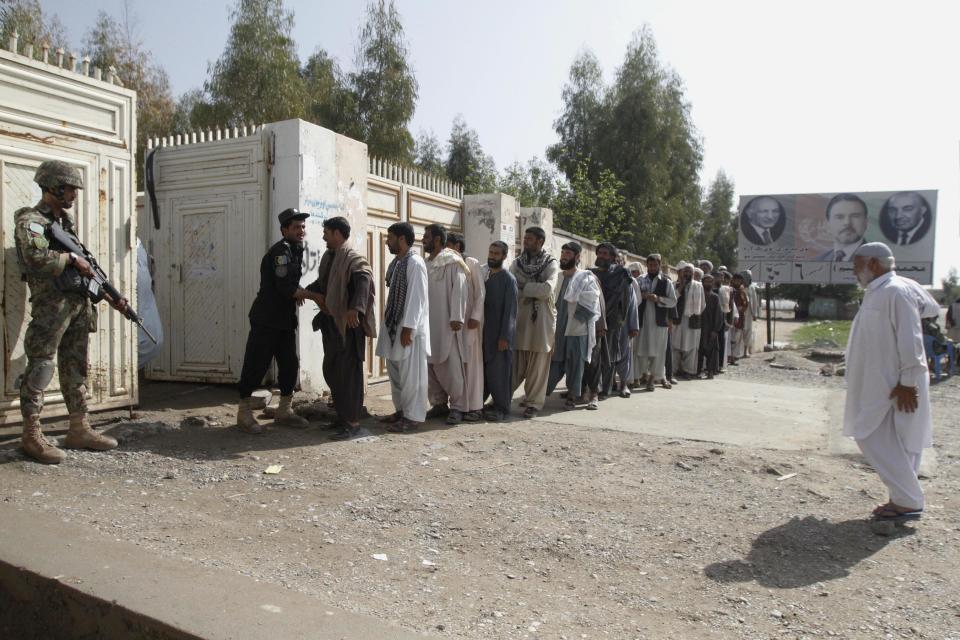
<point>864,277</point>
<point>567,264</point>
<point>494,264</point>
<point>603,263</point>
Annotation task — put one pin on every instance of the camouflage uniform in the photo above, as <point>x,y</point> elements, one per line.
<point>60,320</point>
<point>62,316</point>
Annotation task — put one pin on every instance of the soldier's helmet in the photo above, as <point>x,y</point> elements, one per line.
<point>56,173</point>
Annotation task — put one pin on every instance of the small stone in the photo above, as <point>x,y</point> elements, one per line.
<point>683,465</point>
<point>776,613</point>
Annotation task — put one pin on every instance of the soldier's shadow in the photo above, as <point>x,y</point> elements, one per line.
<point>802,552</point>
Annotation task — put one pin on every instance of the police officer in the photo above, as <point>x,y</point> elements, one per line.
<point>61,315</point>
<point>273,324</point>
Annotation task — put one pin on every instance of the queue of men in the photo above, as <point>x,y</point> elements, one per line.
<point>459,338</point>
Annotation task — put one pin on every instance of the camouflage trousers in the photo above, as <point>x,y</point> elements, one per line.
<point>60,326</point>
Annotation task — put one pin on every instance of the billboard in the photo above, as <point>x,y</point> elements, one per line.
<point>810,237</point>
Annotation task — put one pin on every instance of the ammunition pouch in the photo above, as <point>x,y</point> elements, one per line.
<point>70,281</point>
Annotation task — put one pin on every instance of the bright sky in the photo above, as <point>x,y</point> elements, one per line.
<point>790,97</point>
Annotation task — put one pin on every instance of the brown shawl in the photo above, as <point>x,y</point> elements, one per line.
<point>340,265</point>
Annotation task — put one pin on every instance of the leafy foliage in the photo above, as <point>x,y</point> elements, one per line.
<point>257,77</point>
<point>466,161</point>
<point>112,44</point>
<point>26,18</point>
<point>428,153</point>
<point>534,184</point>
<point>715,234</point>
<point>383,84</point>
<point>639,129</point>
<point>593,208</point>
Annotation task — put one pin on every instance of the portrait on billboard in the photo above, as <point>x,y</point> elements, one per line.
<point>846,215</point>
<point>905,218</point>
<point>763,220</point>
<point>811,237</point>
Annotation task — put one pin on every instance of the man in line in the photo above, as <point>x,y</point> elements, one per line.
<point>888,404</point>
<point>273,325</point>
<point>743,318</point>
<point>725,291</point>
<point>499,327</point>
<point>578,310</point>
<point>345,294</point>
<point>536,272</point>
<point>658,298</point>
<point>405,331</point>
<point>635,382</point>
<point>447,296</point>
<point>472,336</point>
<point>686,332</point>
<point>712,322</point>
<point>61,315</point>
<point>753,295</point>
<point>847,219</point>
<point>620,305</point>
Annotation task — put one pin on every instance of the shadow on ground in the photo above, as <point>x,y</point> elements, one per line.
<point>802,552</point>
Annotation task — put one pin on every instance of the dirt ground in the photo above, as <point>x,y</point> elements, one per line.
<point>526,529</point>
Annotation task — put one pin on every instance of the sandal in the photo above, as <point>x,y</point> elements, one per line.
<point>530,412</point>
<point>393,418</point>
<point>890,511</point>
<point>403,426</point>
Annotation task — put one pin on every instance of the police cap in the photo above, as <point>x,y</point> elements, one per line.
<point>287,215</point>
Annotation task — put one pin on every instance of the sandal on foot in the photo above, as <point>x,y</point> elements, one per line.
<point>393,418</point>
<point>530,412</point>
<point>403,426</point>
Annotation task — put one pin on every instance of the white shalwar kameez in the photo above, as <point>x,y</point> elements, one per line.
<point>651,348</point>
<point>448,293</point>
<point>886,348</point>
<point>407,366</point>
<point>473,338</point>
<point>686,341</point>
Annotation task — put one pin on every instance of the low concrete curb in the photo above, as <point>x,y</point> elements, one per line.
<point>59,580</point>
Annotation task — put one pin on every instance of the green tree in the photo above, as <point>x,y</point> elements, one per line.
<point>533,184</point>
<point>582,117</point>
<point>715,237</point>
<point>951,286</point>
<point>330,102</point>
<point>428,153</point>
<point>26,19</point>
<point>384,85</point>
<point>640,129</point>
<point>257,77</point>
<point>593,208</point>
<point>111,43</point>
<point>466,161</point>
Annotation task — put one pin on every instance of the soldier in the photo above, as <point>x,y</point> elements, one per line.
<point>61,315</point>
<point>273,324</point>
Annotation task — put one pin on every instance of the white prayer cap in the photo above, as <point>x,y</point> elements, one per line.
<point>709,264</point>
<point>634,266</point>
<point>697,271</point>
<point>873,250</point>
<point>683,264</point>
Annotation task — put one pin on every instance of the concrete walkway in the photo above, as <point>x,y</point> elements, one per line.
<point>745,414</point>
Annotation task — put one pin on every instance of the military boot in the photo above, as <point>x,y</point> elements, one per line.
<point>36,446</point>
<point>286,416</point>
<point>245,420</point>
<point>81,436</point>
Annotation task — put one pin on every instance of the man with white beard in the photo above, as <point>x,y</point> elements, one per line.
<point>887,409</point>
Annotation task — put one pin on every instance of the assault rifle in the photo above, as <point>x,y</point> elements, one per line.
<point>99,283</point>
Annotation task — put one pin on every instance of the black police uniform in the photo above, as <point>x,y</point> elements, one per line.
<point>273,318</point>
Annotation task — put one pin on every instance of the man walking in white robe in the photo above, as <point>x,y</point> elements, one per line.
<point>447,295</point>
<point>888,403</point>
<point>405,336</point>
<point>472,336</point>
<point>753,295</point>
<point>686,334</point>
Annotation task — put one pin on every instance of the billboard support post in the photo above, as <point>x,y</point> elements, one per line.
<point>766,291</point>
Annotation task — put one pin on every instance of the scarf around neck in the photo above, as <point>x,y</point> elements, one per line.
<point>396,281</point>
